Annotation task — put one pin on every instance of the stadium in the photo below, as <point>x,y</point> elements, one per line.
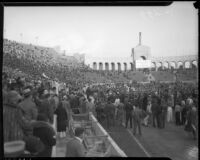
<point>60,105</point>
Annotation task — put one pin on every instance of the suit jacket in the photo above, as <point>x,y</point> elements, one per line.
<point>137,114</point>
<point>128,108</point>
<point>75,148</point>
<point>30,109</point>
<point>44,107</point>
<point>12,126</point>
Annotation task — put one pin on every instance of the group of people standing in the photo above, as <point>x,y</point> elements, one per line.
<point>148,109</point>
<point>28,111</point>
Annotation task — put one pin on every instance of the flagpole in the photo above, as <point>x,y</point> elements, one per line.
<point>21,36</point>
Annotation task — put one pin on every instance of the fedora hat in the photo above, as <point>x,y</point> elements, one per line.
<point>27,92</point>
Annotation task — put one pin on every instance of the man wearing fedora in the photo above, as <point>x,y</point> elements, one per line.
<point>44,106</point>
<point>11,118</point>
<point>28,106</point>
<point>16,127</point>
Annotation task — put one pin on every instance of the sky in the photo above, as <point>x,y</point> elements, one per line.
<point>107,31</point>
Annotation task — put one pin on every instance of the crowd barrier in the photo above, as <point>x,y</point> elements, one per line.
<point>99,134</point>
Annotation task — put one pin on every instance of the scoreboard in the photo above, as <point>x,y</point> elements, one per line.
<point>143,64</point>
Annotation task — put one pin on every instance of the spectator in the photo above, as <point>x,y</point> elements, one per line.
<point>75,147</point>
<point>183,112</point>
<point>90,106</point>
<point>164,112</point>
<point>156,110</point>
<point>44,106</point>
<point>12,118</point>
<point>128,110</point>
<point>137,116</point>
<point>178,114</point>
<point>147,119</point>
<point>66,105</point>
<point>120,113</point>
<point>62,120</point>
<point>191,121</point>
<point>28,106</point>
<point>169,113</point>
<point>108,110</point>
<point>46,133</point>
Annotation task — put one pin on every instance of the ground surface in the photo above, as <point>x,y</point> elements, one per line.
<point>172,142</point>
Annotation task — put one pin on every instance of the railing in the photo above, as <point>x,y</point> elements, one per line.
<point>97,133</point>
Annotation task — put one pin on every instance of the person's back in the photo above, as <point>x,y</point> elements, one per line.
<point>137,114</point>
<point>56,100</point>
<point>121,107</point>
<point>177,108</point>
<point>66,105</point>
<point>29,108</point>
<point>45,109</point>
<point>61,113</point>
<point>46,133</point>
<point>108,109</point>
<point>155,105</point>
<point>12,129</point>
<point>74,148</point>
<point>84,106</point>
<point>90,106</point>
<point>12,118</point>
<point>194,115</point>
<point>128,108</point>
<point>44,106</point>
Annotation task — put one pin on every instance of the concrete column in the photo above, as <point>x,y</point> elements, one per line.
<point>169,65</point>
<point>162,65</point>
<point>190,64</point>
<point>156,66</point>
<point>183,65</point>
<point>176,65</point>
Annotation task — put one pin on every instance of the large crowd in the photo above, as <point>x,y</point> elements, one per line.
<point>34,91</point>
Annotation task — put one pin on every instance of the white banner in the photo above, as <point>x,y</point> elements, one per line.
<point>143,63</point>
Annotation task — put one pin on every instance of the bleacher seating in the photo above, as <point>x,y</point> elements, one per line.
<point>163,75</point>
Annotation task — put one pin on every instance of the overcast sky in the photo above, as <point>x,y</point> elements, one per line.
<point>107,31</point>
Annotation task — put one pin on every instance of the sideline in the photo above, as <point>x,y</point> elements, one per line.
<point>137,141</point>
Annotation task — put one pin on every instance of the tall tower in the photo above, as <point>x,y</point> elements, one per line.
<point>140,51</point>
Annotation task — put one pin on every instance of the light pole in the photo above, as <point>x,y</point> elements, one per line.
<point>36,38</point>
<point>21,35</point>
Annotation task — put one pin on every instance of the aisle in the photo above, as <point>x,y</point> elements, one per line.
<point>125,141</point>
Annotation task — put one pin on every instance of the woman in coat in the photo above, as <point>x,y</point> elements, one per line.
<point>62,120</point>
